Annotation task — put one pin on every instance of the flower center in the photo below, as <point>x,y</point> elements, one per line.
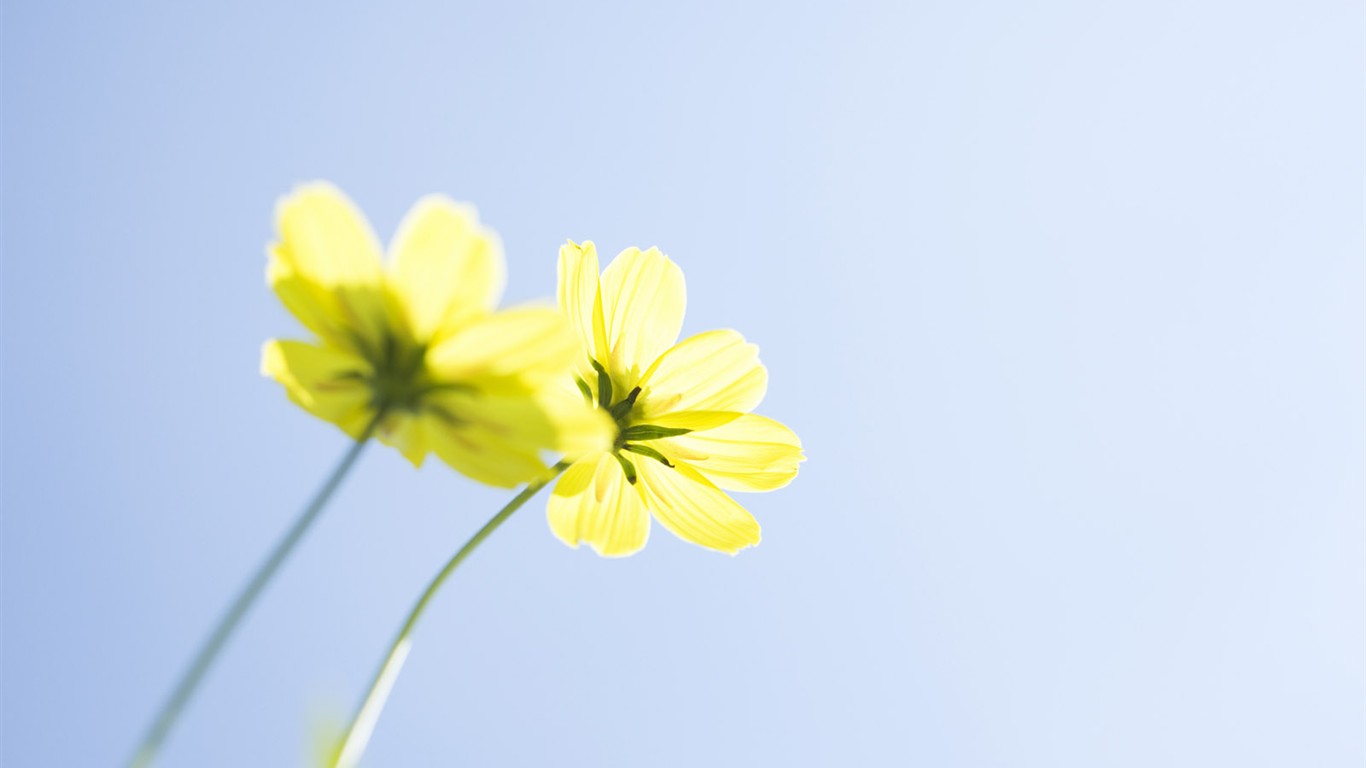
<point>399,378</point>
<point>629,435</point>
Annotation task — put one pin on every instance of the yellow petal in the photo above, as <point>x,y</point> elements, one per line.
<point>580,297</point>
<point>694,510</point>
<point>482,453</point>
<point>314,306</point>
<point>567,498</point>
<point>408,433</point>
<point>446,268</point>
<point>326,239</point>
<point>643,298</point>
<point>543,419</point>
<point>326,265</point>
<point>528,344</point>
<point>750,453</point>
<point>580,427</point>
<point>507,422</point>
<point>694,420</point>
<point>712,371</point>
<point>323,381</point>
<point>594,503</point>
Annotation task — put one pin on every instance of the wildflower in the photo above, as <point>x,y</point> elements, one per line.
<point>415,351</point>
<point>684,431</point>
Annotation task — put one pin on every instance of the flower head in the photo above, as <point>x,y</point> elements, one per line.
<point>417,345</point>
<point>684,431</point>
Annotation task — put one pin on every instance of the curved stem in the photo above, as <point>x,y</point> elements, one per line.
<point>358,733</point>
<point>208,652</point>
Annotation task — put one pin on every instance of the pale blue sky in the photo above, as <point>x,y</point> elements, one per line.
<point>1065,298</point>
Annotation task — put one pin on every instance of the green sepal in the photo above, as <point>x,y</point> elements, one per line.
<point>627,467</point>
<point>445,415</point>
<point>583,387</point>
<point>624,407</point>
<point>450,386</point>
<point>651,432</point>
<point>604,385</point>
<point>648,452</point>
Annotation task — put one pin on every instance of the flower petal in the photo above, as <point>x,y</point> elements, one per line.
<point>408,433</point>
<point>694,510</point>
<point>643,299</point>
<point>528,344</point>
<point>552,418</point>
<point>580,427</point>
<point>580,297</point>
<point>322,380</point>
<point>314,306</point>
<point>568,498</point>
<point>325,238</point>
<point>446,267</point>
<point>712,371</point>
<point>750,453</point>
<point>482,452</point>
<point>326,265</point>
<point>594,503</point>
<point>694,420</point>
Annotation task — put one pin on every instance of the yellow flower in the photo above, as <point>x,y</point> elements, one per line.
<point>685,434</point>
<point>418,344</point>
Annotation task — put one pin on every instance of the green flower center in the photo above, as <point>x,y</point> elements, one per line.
<point>398,378</point>
<point>629,434</point>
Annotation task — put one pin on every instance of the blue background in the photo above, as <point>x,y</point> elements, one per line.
<point>1065,299</point>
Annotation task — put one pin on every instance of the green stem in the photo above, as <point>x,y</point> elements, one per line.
<point>348,752</point>
<point>208,652</point>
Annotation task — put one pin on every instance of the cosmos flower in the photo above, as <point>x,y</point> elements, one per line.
<point>684,431</point>
<point>414,352</point>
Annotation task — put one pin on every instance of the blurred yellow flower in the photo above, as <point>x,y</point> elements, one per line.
<point>418,345</point>
<point>684,433</point>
